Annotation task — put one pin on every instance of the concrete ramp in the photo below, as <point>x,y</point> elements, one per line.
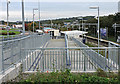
<point>56,43</point>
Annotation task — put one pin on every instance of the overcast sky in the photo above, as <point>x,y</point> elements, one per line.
<point>58,10</point>
<point>66,0</point>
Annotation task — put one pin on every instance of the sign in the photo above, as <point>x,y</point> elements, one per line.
<point>103,33</point>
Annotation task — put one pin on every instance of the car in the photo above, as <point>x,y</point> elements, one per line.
<point>40,32</point>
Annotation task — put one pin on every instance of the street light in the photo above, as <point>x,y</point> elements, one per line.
<point>33,17</point>
<point>39,12</point>
<point>23,22</point>
<point>97,7</point>
<point>8,2</point>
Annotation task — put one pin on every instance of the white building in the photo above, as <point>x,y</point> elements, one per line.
<point>74,33</point>
<point>17,26</point>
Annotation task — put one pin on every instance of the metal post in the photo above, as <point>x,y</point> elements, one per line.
<point>105,58</point>
<point>79,26</point>
<point>33,20</point>
<point>98,29</point>
<point>23,22</point>
<point>82,27</point>
<point>43,59</point>
<point>51,23</point>
<point>84,62</point>
<point>115,32</point>
<point>119,63</point>
<point>39,12</point>
<point>1,57</point>
<point>8,2</point>
<point>98,23</point>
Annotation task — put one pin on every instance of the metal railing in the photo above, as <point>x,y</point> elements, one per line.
<point>52,59</point>
<point>10,50</point>
<point>104,60</point>
<point>12,37</point>
<point>68,63</point>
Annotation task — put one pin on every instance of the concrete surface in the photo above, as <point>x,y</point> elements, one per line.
<point>11,73</point>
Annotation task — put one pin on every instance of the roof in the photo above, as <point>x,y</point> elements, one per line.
<point>47,28</point>
<point>75,32</point>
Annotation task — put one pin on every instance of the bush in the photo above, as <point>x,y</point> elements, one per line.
<point>101,73</point>
<point>66,76</point>
<point>5,33</point>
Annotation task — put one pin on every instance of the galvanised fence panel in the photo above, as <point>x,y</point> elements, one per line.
<point>113,54</point>
<point>102,60</point>
<point>45,60</point>
<point>52,59</point>
<point>79,61</point>
<point>11,49</point>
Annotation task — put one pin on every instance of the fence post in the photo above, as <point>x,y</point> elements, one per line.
<point>84,62</point>
<point>43,59</point>
<point>119,63</point>
<point>1,55</point>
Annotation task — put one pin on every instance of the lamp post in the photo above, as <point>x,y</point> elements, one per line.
<point>23,22</point>
<point>8,2</point>
<point>39,12</point>
<point>96,7</point>
<point>33,17</point>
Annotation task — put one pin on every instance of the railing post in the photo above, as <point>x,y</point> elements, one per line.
<point>84,62</point>
<point>12,63</point>
<point>43,60</point>
<point>105,58</point>
<point>119,63</point>
<point>67,53</point>
<point>1,59</point>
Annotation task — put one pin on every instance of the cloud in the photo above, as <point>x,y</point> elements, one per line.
<point>64,0</point>
<point>49,15</point>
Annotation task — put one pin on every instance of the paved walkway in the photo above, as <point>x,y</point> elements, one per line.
<point>56,43</point>
<point>79,62</point>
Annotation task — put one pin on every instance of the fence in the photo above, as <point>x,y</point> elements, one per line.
<point>11,37</point>
<point>34,56</point>
<point>10,50</point>
<point>104,60</point>
<point>68,63</point>
<point>52,59</point>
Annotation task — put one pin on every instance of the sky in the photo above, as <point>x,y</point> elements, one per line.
<point>66,0</point>
<point>57,10</point>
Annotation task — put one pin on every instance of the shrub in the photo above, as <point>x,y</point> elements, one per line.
<point>101,73</point>
<point>66,76</point>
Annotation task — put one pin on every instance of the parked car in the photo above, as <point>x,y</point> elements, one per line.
<point>39,32</point>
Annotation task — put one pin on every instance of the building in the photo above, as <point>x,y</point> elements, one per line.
<point>47,29</point>
<point>3,26</point>
<point>119,7</point>
<point>74,33</point>
<point>17,26</point>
